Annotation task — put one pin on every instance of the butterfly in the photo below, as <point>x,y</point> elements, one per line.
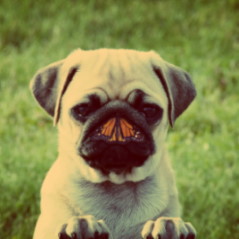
<point>119,129</point>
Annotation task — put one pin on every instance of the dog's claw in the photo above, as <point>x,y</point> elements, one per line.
<point>62,234</point>
<point>85,227</point>
<point>73,235</point>
<point>167,228</point>
<point>182,236</point>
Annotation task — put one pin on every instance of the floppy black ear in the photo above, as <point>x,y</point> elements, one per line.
<point>179,88</point>
<point>44,86</point>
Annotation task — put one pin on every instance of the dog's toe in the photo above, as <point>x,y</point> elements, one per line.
<point>84,227</point>
<point>168,228</point>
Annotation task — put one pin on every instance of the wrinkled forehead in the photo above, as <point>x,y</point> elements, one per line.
<point>114,72</point>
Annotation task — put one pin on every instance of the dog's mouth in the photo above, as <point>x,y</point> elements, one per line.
<point>118,130</point>
<point>116,140</point>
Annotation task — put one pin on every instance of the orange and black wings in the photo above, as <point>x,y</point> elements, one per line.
<point>117,129</point>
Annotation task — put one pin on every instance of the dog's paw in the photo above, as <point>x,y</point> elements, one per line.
<point>84,227</point>
<point>168,228</point>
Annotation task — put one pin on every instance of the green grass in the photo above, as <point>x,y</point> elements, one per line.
<point>200,36</point>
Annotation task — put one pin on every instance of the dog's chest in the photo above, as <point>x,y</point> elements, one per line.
<point>124,208</point>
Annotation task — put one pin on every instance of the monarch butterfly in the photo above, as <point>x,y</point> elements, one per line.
<point>118,129</point>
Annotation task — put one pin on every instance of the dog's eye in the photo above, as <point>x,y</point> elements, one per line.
<point>81,111</point>
<point>151,112</point>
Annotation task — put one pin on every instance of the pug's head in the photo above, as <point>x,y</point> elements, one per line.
<point>112,109</point>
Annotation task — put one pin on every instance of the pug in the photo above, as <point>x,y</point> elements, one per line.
<point>113,178</point>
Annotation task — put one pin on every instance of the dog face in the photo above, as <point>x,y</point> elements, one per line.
<point>112,109</point>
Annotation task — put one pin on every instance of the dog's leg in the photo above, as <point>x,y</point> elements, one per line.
<point>168,228</point>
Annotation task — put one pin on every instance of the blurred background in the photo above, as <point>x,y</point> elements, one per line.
<point>200,36</point>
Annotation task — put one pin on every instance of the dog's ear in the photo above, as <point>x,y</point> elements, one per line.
<point>178,86</point>
<point>44,86</point>
<point>48,87</point>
